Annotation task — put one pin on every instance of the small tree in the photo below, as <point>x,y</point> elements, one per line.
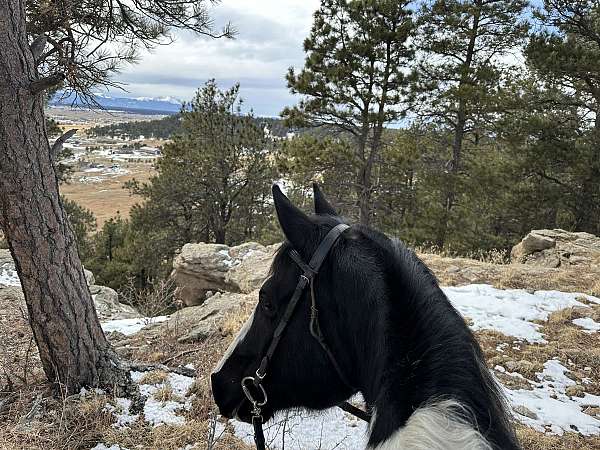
<point>213,179</point>
<point>353,78</point>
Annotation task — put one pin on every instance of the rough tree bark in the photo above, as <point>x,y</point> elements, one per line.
<point>73,349</point>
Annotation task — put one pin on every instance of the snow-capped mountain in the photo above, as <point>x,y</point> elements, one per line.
<point>148,105</point>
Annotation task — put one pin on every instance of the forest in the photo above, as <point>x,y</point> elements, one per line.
<point>453,125</point>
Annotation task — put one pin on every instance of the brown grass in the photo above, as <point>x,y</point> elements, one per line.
<point>532,440</point>
<point>33,419</point>
<point>154,377</point>
<point>107,198</point>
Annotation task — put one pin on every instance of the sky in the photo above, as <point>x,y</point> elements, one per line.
<point>268,42</point>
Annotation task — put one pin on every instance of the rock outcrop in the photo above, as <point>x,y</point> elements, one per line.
<point>203,321</point>
<point>207,268</point>
<point>108,307</point>
<point>557,248</point>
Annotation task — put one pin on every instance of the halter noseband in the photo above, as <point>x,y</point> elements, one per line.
<point>309,271</point>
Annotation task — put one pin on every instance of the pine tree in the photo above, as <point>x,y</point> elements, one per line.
<point>565,55</point>
<point>213,180</point>
<point>76,45</point>
<point>461,45</point>
<point>353,78</point>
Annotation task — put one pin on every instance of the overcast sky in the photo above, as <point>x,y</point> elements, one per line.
<point>269,40</point>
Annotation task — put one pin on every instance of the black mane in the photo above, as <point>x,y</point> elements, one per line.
<point>440,357</point>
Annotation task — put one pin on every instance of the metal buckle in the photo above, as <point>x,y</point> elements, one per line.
<point>257,404</point>
<point>305,278</point>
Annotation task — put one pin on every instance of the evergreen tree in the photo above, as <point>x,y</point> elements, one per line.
<point>353,79</point>
<point>77,45</point>
<point>213,185</point>
<point>461,45</point>
<point>565,56</point>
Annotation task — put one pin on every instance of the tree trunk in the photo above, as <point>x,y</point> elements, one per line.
<point>73,349</point>
<point>459,131</point>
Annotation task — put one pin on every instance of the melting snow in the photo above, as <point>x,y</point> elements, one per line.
<point>131,326</point>
<point>554,410</point>
<point>158,412</point>
<point>8,276</point>
<point>112,447</point>
<point>590,325</point>
<point>327,430</point>
<point>510,311</point>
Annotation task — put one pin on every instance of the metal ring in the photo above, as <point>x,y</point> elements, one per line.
<point>248,394</point>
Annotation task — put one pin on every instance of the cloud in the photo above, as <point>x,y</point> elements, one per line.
<point>269,40</point>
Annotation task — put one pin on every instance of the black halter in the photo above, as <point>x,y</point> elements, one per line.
<point>309,271</point>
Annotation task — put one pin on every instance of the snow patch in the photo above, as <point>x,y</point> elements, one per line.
<point>8,276</point>
<point>329,429</point>
<point>554,411</point>
<point>131,326</point>
<point>158,412</point>
<point>510,311</point>
<point>590,325</point>
<point>112,447</point>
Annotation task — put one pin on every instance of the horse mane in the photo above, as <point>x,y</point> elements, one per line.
<point>443,361</point>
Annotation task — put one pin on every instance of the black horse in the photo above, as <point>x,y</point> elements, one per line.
<point>388,326</point>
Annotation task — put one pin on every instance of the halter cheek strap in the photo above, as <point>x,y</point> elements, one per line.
<point>309,271</point>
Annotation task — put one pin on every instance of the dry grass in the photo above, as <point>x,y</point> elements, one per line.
<point>532,440</point>
<point>33,419</point>
<point>154,377</point>
<point>235,319</point>
<point>107,198</point>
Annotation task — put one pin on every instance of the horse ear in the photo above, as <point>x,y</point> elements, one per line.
<point>297,226</point>
<point>322,206</point>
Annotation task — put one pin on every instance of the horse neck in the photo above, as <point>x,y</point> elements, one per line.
<point>430,356</point>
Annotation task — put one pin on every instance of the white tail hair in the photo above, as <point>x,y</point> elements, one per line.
<point>437,426</point>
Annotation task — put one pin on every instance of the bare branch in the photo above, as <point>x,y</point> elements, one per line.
<point>42,84</point>
<point>58,144</point>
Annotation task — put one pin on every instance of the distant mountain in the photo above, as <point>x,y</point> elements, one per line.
<point>146,105</point>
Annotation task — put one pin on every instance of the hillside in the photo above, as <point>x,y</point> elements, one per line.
<point>538,326</point>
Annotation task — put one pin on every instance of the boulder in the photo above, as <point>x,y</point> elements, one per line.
<point>108,307</point>
<point>557,248</point>
<point>205,320</point>
<point>202,268</point>
<point>253,268</point>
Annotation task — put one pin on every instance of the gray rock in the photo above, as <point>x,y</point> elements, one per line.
<point>203,268</point>
<point>207,319</point>
<point>108,307</point>
<point>524,411</point>
<point>200,268</point>
<point>89,277</point>
<point>557,248</point>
